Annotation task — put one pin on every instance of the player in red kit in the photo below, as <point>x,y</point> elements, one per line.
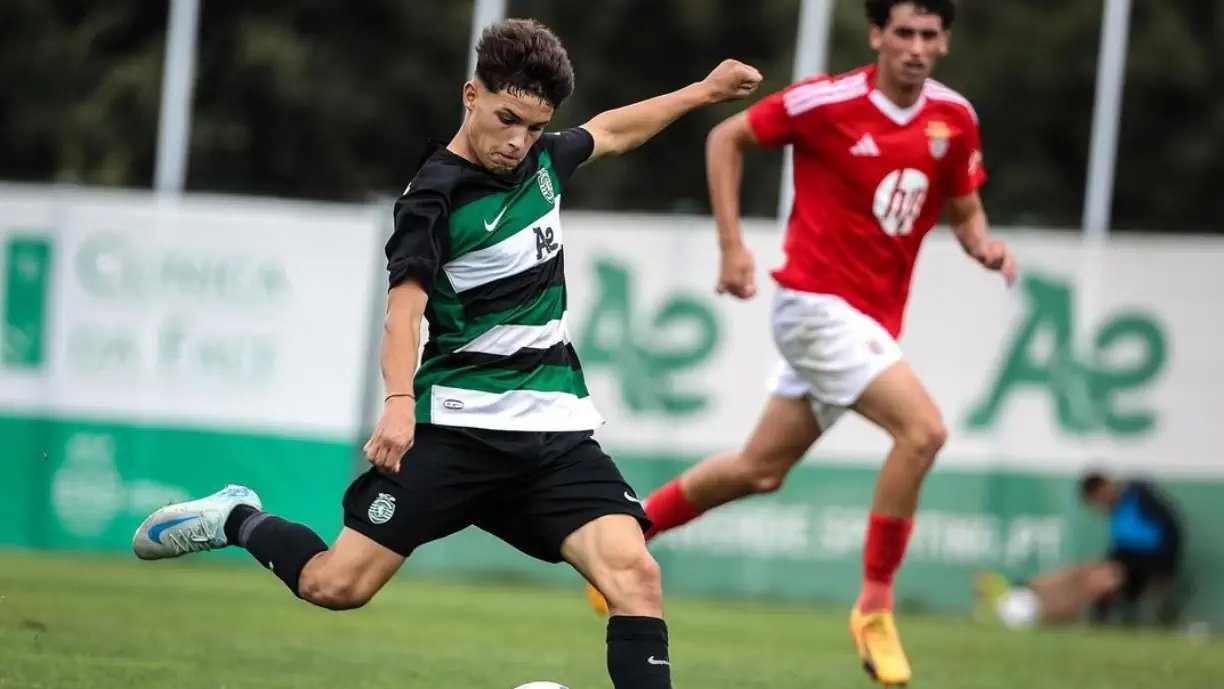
<point>879,154</point>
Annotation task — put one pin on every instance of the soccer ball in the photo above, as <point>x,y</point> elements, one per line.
<point>1019,609</point>
<point>541,685</point>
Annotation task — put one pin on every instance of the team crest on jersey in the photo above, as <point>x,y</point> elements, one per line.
<point>382,509</point>
<point>938,134</point>
<point>546,186</point>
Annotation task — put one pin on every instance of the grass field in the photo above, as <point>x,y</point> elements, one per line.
<point>77,622</point>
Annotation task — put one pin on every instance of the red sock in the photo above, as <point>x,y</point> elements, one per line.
<point>887,538</point>
<point>668,508</point>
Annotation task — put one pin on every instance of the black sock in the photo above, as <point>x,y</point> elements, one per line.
<point>280,545</point>
<point>637,653</point>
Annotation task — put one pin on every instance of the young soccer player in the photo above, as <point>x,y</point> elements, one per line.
<point>494,427</point>
<point>879,153</point>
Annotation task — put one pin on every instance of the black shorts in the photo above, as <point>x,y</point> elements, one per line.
<point>1141,570</point>
<point>531,490</point>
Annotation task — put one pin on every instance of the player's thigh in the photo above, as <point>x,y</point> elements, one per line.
<point>568,490</point>
<point>441,488</point>
<point>897,401</point>
<point>787,427</point>
<point>835,349</point>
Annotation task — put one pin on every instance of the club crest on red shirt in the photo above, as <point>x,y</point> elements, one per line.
<point>939,134</point>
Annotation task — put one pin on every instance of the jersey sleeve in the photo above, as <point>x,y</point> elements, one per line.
<point>418,244</point>
<point>569,149</point>
<point>968,173</point>
<point>774,120</point>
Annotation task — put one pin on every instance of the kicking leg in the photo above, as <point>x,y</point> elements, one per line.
<point>896,401</point>
<point>342,577</point>
<point>443,481</point>
<point>611,553</point>
<point>785,432</point>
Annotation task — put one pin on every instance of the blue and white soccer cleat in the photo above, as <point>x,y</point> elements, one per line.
<point>191,527</point>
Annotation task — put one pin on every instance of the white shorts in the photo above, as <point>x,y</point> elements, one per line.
<point>830,351</point>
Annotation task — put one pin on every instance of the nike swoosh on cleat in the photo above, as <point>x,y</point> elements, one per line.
<point>156,532</point>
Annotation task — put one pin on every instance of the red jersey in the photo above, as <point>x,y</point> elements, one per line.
<point>871,179</point>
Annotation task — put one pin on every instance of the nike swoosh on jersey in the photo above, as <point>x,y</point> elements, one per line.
<point>490,226</point>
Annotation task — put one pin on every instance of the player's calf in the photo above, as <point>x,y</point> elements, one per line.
<point>611,553</point>
<point>342,577</point>
<point>918,438</point>
<point>348,575</point>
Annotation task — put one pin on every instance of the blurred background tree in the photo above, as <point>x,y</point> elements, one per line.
<point>314,99</point>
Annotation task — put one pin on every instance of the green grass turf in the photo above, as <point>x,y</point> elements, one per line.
<point>74,622</point>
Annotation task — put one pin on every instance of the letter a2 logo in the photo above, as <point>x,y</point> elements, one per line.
<point>1083,389</point>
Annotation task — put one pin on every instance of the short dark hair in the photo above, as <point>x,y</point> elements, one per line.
<point>1092,482</point>
<point>522,56</point>
<point>880,11</point>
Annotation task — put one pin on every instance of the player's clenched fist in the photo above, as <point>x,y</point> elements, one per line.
<point>732,80</point>
<point>394,434</point>
<point>996,256</point>
<point>737,275</point>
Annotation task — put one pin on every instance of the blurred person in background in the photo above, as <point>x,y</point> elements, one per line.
<point>1144,560</point>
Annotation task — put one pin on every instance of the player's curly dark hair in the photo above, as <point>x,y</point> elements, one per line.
<point>880,11</point>
<point>1092,482</point>
<point>522,56</point>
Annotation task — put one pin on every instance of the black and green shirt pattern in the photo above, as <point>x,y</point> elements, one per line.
<point>488,250</point>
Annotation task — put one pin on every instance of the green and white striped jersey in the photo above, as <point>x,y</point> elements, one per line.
<point>488,251</point>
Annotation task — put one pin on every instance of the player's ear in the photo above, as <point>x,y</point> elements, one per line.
<point>875,38</point>
<point>469,95</point>
<point>945,40</point>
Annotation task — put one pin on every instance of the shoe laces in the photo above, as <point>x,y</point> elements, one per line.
<point>194,538</point>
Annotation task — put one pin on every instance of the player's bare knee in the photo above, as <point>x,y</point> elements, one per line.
<point>925,437</point>
<point>765,477</point>
<point>749,472</point>
<point>632,584</point>
<point>765,466</point>
<point>335,590</point>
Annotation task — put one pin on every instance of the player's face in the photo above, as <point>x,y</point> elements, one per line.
<point>502,127</point>
<point>1104,497</point>
<point>910,44</point>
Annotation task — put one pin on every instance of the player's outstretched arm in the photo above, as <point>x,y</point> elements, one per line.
<point>624,129</point>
